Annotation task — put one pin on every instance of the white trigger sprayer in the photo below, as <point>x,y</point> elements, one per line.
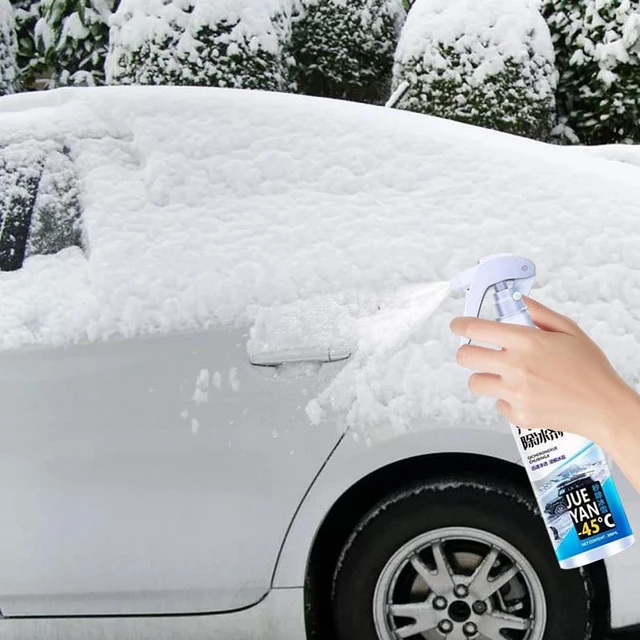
<point>570,476</point>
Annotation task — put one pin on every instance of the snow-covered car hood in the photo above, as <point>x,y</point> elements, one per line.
<point>210,205</point>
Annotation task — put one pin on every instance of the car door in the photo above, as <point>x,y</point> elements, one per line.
<point>157,474</point>
<point>623,567</point>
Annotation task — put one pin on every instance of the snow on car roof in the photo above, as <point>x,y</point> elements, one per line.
<point>208,205</point>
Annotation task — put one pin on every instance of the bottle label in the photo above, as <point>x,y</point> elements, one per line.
<point>574,488</point>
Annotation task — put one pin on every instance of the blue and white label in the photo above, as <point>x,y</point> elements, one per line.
<point>576,494</point>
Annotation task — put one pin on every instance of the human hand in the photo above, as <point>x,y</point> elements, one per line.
<point>552,377</point>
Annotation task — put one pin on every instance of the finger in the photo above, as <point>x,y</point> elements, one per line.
<point>480,358</point>
<point>486,384</point>
<point>506,410</point>
<point>500,334</point>
<point>550,320</point>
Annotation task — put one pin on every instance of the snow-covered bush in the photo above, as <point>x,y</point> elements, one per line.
<point>487,63</point>
<point>39,202</point>
<point>74,38</point>
<point>227,43</point>
<point>8,46</point>
<point>30,59</point>
<point>345,49</point>
<point>598,56</point>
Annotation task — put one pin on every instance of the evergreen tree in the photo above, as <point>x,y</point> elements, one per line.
<point>8,47</point>
<point>598,56</point>
<point>345,49</point>
<point>73,38</point>
<point>237,44</point>
<point>490,64</point>
<point>28,57</point>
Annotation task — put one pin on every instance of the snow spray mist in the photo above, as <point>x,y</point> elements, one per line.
<point>570,476</point>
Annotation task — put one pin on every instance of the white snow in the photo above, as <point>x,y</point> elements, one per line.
<point>253,18</point>
<point>201,394</point>
<point>146,26</point>
<point>627,153</point>
<point>8,44</point>
<point>44,34</point>
<point>74,29</point>
<point>317,324</point>
<point>208,206</point>
<point>486,33</point>
<point>6,12</point>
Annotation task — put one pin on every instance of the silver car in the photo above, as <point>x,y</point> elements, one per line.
<point>177,481</point>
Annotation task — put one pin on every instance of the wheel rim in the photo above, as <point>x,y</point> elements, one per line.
<point>459,583</point>
<point>560,509</point>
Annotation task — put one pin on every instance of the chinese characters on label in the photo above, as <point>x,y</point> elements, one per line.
<point>533,438</point>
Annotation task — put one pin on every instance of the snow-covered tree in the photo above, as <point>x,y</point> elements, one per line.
<point>345,49</point>
<point>30,59</point>
<point>74,38</point>
<point>8,47</point>
<point>226,43</point>
<point>598,56</point>
<point>487,63</point>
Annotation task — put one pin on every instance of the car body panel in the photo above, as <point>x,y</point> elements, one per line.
<point>354,459</point>
<point>279,616</point>
<point>623,567</point>
<point>138,474</point>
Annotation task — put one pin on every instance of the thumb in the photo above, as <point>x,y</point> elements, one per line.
<point>550,320</point>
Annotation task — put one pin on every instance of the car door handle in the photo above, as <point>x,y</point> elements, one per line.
<point>291,356</point>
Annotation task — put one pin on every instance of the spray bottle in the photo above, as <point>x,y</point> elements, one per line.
<point>570,476</point>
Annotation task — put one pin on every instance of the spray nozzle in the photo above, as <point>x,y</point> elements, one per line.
<point>494,271</point>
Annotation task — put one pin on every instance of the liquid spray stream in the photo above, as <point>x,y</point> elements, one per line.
<point>400,315</point>
<point>570,476</point>
<point>377,391</point>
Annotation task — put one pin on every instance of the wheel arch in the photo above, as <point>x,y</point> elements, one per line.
<point>359,498</point>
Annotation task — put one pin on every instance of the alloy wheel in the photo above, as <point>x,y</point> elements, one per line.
<point>459,583</point>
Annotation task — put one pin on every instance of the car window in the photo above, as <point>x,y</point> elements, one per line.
<point>39,202</point>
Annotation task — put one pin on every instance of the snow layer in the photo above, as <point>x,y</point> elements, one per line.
<point>200,42</point>
<point>210,206</point>
<point>626,153</point>
<point>489,63</point>
<point>253,18</point>
<point>8,68</point>
<point>487,32</point>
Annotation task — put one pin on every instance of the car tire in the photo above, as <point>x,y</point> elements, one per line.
<point>391,580</point>
<point>560,509</point>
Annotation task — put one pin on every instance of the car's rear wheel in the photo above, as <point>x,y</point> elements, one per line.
<point>560,509</point>
<point>457,561</point>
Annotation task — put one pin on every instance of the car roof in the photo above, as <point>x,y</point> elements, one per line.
<point>211,200</point>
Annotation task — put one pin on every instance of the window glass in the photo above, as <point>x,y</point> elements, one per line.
<point>39,202</point>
